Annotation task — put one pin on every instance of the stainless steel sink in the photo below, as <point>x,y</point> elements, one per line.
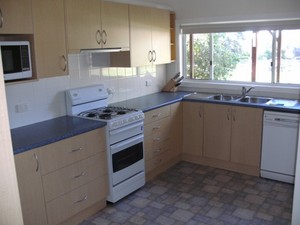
<point>222,97</point>
<point>256,100</point>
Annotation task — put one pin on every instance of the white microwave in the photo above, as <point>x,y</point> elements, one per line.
<point>16,60</point>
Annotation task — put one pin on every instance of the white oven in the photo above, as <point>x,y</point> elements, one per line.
<point>124,138</point>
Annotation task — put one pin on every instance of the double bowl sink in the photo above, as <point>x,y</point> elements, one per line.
<point>246,99</point>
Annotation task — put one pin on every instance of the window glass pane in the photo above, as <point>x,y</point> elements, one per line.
<point>198,62</point>
<point>264,56</point>
<point>232,56</point>
<point>290,57</point>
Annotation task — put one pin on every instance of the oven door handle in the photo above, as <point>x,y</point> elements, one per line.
<point>126,143</point>
<point>124,129</point>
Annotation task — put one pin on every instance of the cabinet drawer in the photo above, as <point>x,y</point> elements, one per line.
<point>160,128</point>
<point>153,150</point>
<point>62,153</point>
<point>69,178</point>
<point>157,114</point>
<point>157,161</point>
<point>72,203</point>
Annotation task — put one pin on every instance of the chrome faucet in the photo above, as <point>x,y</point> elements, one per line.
<point>245,91</point>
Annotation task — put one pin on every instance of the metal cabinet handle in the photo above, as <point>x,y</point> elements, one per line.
<point>79,175</point>
<point>150,56</point>
<point>156,115</point>
<point>81,200</point>
<point>98,37</point>
<point>2,19</point>
<point>37,162</point>
<point>102,38</point>
<point>154,53</point>
<point>64,68</point>
<point>76,150</point>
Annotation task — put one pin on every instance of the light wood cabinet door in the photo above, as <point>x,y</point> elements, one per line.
<point>192,128</point>
<point>115,25</point>
<point>83,22</point>
<point>176,128</point>
<point>246,135</point>
<point>30,188</point>
<point>217,131</point>
<point>140,35</point>
<point>161,36</point>
<point>49,38</point>
<point>16,17</point>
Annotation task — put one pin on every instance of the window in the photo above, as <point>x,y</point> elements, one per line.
<point>257,55</point>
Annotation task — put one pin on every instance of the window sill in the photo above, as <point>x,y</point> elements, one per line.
<point>268,90</point>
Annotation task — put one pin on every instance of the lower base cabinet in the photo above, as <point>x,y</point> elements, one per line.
<point>223,136</point>
<point>63,182</point>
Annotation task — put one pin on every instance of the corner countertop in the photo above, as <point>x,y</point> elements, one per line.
<point>39,134</point>
<point>153,101</point>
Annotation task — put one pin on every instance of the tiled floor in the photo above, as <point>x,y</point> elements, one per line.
<point>193,194</point>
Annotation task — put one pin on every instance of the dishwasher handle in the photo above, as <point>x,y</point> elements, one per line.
<point>284,120</point>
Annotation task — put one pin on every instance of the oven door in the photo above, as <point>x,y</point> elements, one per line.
<point>127,158</point>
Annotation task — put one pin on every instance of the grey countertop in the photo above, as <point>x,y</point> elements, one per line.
<point>36,135</point>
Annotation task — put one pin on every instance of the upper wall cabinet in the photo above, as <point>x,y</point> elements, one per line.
<point>15,17</point>
<point>49,38</point>
<point>150,36</point>
<point>94,24</point>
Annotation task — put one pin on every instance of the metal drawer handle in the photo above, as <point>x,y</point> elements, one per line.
<point>81,200</point>
<point>156,128</point>
<point>37,162</point>
<point>157,150</point>
<point>156,115</point>
<point>79,175</point>
<point>76,150</point>
<point>157,139</point>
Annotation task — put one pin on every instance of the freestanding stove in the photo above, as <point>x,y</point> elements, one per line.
<point>124,137</point>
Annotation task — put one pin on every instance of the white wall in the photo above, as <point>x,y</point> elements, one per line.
<point>46,99</point>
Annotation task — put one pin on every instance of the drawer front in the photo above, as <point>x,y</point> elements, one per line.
<point>158,131</point>
<point>157,114</point>
<point>72,203</point>
<point>157,161</point>
<point>62,153</point>
<point>71,177</point>
<point>153,150</point>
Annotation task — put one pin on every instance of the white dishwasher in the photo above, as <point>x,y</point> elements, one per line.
<point>279,146</point>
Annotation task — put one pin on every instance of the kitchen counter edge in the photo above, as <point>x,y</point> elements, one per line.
<point>46,132</point>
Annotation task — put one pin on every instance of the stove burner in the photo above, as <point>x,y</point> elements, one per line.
<point>121,112</point>
<point>105,116</point>
<point>107,110</point>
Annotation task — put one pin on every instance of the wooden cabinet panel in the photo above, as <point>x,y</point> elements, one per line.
<point>30,188</point>
<point>157,114</point>
<point>115,24</point>
<point>193,128</point>
<point>16,16</point>
<point>49,38</point>
<point>83,22</point>
<point>176,126</point>
<point>246,135</point>
<point>68,151</point>
<point>74,176</point>
<point>73,202</point>
<point>217,131</point>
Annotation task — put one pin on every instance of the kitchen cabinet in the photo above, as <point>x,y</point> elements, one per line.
<point>192,130</point>
<point>64,182</point>
<point>95,24</point>
<point>149,36</point>
<point>246,135</point>
<point>162,138</point>
<point>217,131</point>
<point>16,17</point>
<point>49,38</point>
<point>30,188</point>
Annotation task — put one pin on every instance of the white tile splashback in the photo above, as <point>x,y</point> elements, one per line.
<point>45,97</point>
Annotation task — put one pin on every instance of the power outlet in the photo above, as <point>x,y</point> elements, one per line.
<point>22,107</point>
<point>148,83</point>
